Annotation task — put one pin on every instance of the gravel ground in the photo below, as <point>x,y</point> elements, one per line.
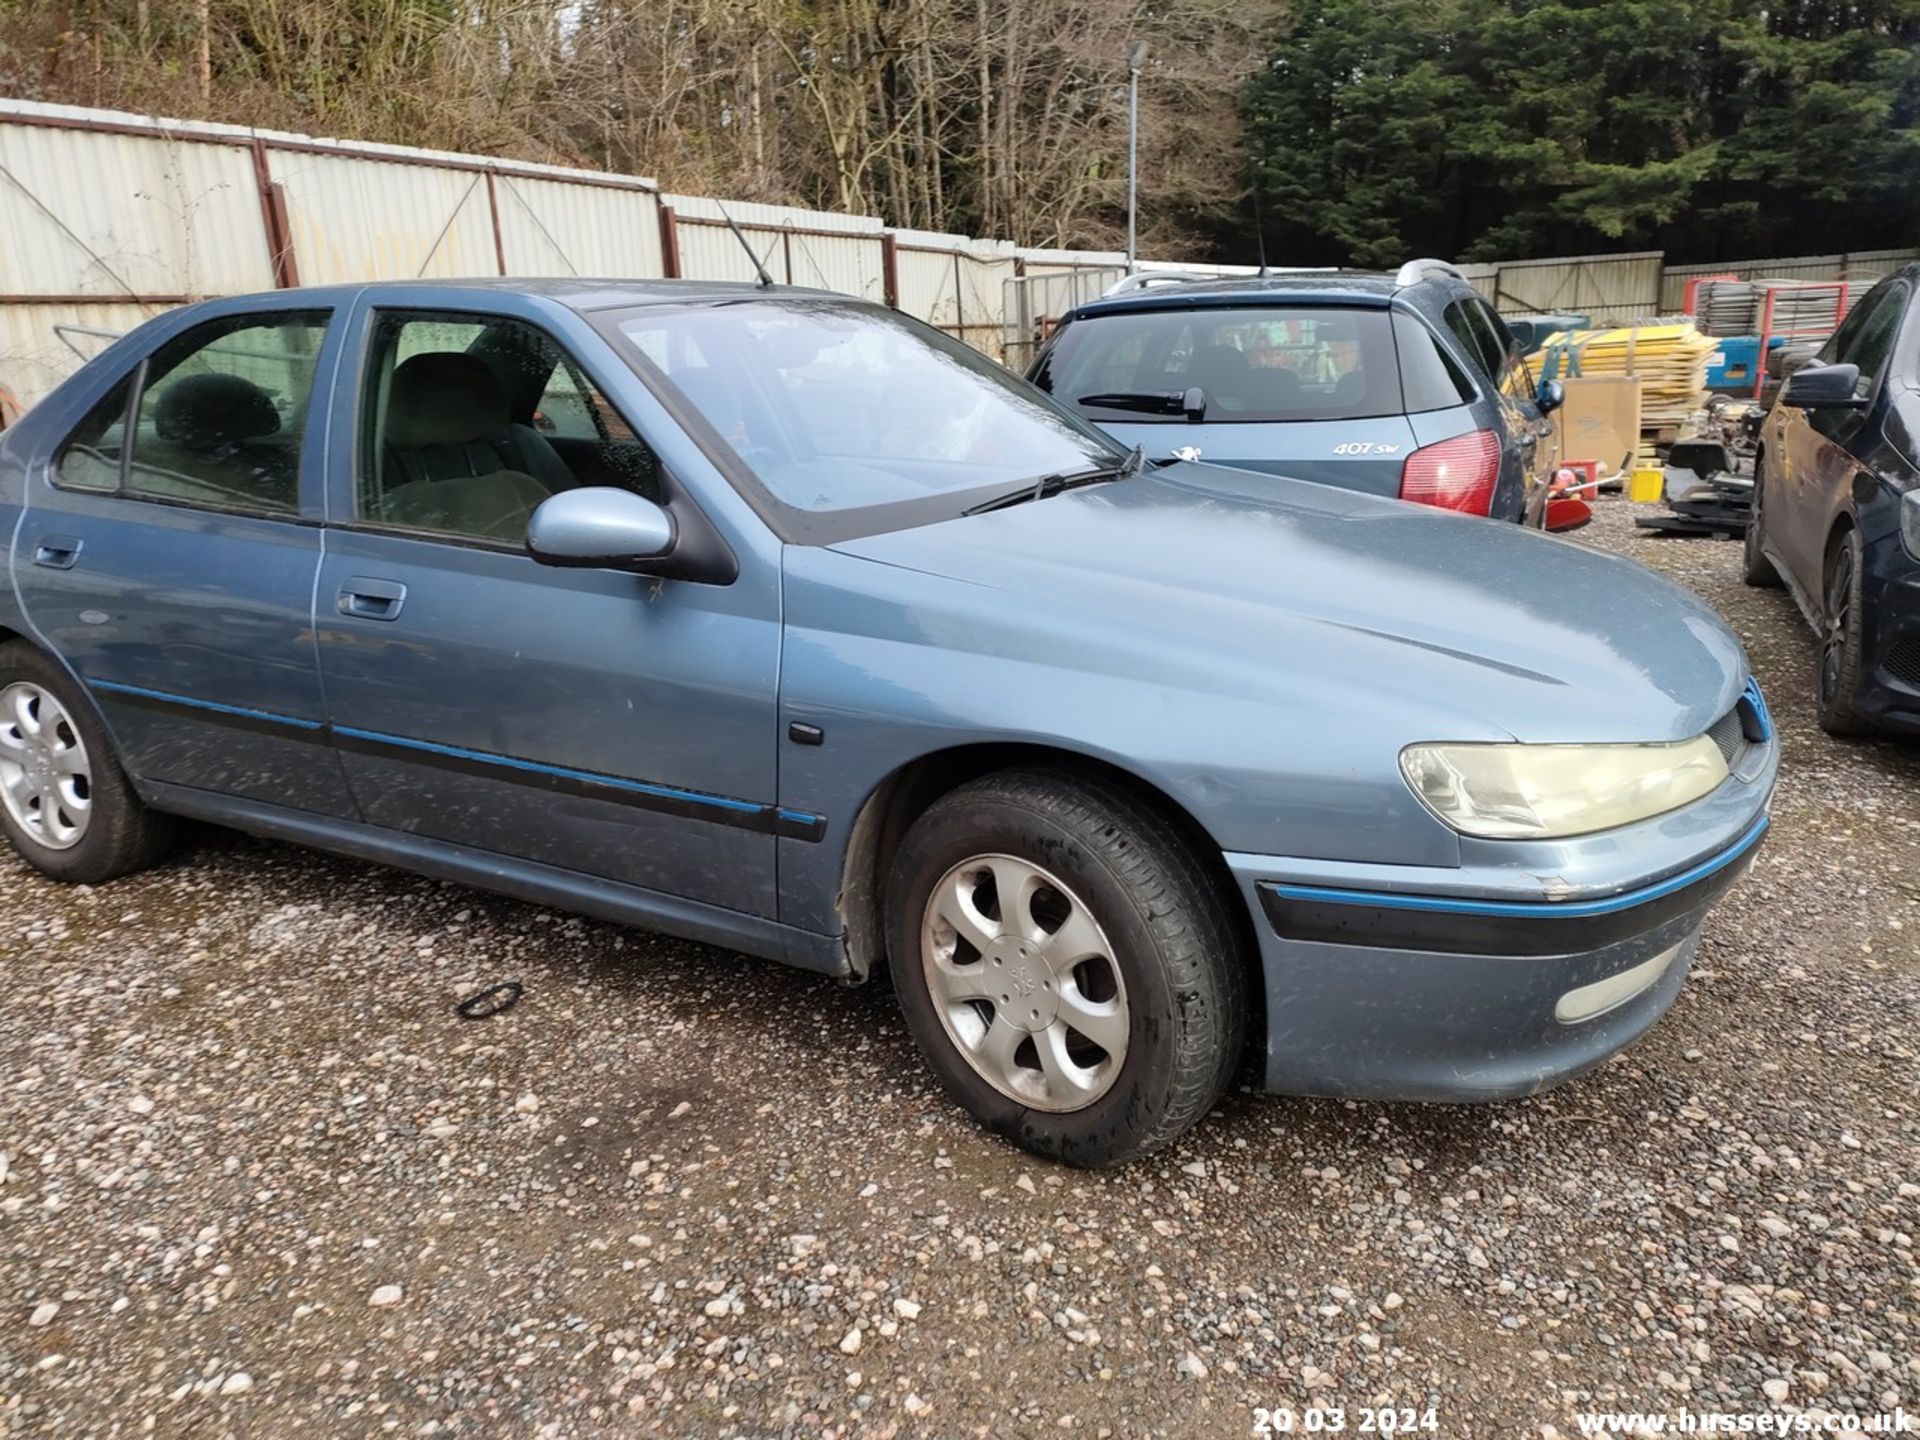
<point>256,1179</point>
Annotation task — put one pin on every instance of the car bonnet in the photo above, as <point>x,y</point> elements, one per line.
<point>1203,568</point>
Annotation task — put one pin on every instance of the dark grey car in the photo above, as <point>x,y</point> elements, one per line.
<point>1406,385</point>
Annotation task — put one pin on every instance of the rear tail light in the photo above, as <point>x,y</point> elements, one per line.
<point>1456,474</point>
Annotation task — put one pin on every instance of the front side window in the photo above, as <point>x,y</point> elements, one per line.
<point>222,413</point>
<point>469,422</point>
<point>835,407</point>
<point>1871,343</point>
<point>1261,363</point>
<point>1477,338</point>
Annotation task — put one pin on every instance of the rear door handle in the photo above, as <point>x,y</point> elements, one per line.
<point>57,552</point>
<point>366,597</point>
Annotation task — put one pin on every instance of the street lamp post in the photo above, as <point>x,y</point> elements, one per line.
<point>1136,53</point>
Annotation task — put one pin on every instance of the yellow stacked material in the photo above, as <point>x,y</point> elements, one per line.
<point>1671,361</point>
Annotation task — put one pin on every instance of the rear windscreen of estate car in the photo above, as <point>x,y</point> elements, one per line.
<point>1266,363</point>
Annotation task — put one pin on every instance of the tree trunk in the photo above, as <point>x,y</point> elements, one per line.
<point>203,48</point>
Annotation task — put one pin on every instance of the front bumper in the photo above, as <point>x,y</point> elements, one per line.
<point>1392,994</point>
<point>1891,612</point>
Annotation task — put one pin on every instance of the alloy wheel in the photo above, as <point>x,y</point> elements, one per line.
<point>1025,983</point>
<point>1833,648</point>
<point>46,781</point>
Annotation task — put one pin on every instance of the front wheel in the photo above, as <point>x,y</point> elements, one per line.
<point>1065,965</point>
<point>1840,641</point>
<point>64,801</point>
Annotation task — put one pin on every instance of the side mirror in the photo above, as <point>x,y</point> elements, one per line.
<point>1823,386</point>
<point>600,527</point>
<point>1551,397</point>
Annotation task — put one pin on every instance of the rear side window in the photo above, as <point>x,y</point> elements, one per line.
<point>222,412</point>
<point>216,413</point>
<point>1428,376</point>
<point>1262,363</point>
<point>91,459</point>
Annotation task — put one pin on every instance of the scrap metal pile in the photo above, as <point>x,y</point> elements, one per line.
<point>1709,474</point>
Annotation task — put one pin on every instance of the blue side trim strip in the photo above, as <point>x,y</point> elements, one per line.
<point>638,787</point>
<point>268,716</point>
<point>1558,910</point>
<point>779,820</point>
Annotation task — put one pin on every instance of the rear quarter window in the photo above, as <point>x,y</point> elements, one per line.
<point>1429,378</point>
<point>1258,363</point>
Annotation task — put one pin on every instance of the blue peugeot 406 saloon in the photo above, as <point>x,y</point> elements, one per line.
<point>774,619</point>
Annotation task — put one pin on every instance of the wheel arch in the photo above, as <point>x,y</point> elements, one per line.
<point>904,795</point>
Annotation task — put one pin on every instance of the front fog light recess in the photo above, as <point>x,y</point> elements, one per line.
<point>1546,792</point>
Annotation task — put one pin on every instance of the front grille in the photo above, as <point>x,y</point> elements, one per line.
<point>1903,661</point>
<point>1743,729</point>
<point>1729,733</point>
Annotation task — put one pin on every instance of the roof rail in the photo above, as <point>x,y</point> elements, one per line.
<point>1147,279</point>
<point>1414,271</point>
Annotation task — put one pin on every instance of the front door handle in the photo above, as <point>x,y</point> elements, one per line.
<point>366,597</point>
<point>57,552</point>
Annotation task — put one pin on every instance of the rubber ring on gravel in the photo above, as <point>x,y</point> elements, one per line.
<point>492,1001</point>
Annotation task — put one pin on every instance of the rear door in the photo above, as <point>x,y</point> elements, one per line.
<point>168,555</point>
<point>1301,390</point>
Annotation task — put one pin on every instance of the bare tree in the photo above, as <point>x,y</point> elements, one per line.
<point>993,117</point>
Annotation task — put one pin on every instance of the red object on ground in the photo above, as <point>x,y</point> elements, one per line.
<point>1567,514</point>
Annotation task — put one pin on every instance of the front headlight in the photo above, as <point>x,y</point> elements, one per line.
<point>1544,792</point>
<point>1910,522</point>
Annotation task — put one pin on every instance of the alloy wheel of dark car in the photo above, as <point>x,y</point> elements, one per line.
<point>64,801</point>
<point>1065,966</point>
<point>1757,569</point>
<point>1840,640</point>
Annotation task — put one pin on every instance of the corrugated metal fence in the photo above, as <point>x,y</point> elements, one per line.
<point>108,218</point>
<point>1858,267</point>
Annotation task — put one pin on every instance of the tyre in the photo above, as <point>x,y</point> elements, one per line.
<point>64,801</point>
<point>1840,640</point>
<point>1757,570</point>
<point>1065,965</point>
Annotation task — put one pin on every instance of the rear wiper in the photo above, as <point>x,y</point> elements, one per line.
<point>1045,485</point>
<point>1190,402</point>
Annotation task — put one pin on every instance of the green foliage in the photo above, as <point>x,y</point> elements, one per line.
<point>1512,127</point>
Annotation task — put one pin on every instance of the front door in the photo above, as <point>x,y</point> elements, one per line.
<point>598,721</point>
<point>1819,444</point>
<point>171,559</point>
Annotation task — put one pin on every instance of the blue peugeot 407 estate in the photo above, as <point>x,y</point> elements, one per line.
<point>774,619</point>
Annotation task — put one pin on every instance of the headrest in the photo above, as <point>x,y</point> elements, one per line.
<point>1221,362</point>
<point>202,411</point>
<point>444,397</point>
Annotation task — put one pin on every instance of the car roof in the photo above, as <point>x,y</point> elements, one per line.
<point>574,292</point>
<point>589,294</point>
<point>1371,289</point>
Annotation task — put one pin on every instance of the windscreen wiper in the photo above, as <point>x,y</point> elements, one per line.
<point>1045,485</point>
<point>1149,402</point>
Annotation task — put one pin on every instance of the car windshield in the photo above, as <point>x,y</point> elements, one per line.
<point>838,407</point>
<point>1262,363</point>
